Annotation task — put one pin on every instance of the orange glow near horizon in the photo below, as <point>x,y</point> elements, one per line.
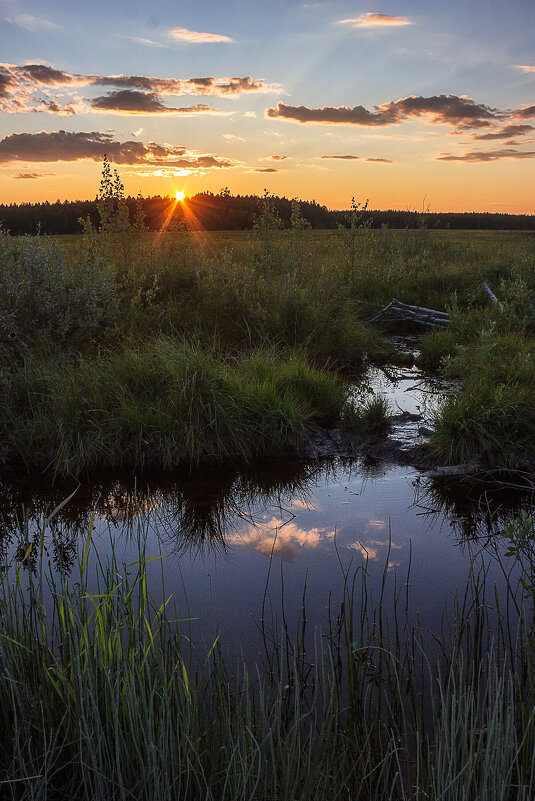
<point>449,187</point>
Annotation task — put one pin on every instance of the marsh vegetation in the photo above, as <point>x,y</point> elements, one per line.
<point>125,349</point>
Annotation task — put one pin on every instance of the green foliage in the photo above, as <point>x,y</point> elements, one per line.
<point>45,297</point>
<point>351,235</point>
<point>163,402</point>
<point>368,418</point>
<point>436,346</point>
<point>267,224</point>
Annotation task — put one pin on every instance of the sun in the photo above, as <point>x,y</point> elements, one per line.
<point>180,195</point>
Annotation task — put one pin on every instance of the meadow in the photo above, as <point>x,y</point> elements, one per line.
<point>120,347</point>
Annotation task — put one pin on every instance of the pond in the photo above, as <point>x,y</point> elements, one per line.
<point>246,549</point>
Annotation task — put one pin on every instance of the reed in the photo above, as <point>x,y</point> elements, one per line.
<point>100,696</point>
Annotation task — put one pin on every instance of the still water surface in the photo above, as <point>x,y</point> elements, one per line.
<point>235,541</point>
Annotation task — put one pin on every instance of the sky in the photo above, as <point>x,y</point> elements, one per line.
<point>420,105</point>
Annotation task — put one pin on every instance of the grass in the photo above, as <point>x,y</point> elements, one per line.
<point>163,403</point>
<point>372,416</point>
<point>100,697</point>
<point>79,321</point>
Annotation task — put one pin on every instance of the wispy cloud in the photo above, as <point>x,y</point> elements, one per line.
<point>143,41</point>
<point>459,111</point>
<point>185,35</point>
<point>488,155</point>
<point>274,157</point>
<point>233,138</point>
<point>65,146</point>
<point>374,19</point>
<point>358,158</point>
<point>33,175</point>
<point>31,23</point>
<point>525,67</point>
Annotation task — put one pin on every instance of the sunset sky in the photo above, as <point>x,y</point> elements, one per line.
<point>413,104</point>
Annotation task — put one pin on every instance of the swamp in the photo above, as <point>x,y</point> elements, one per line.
<point>259,539</point>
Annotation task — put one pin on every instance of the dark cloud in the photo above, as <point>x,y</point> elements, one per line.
<point>524,113</point>
<point>22,88</point>
<point>7,82</point>
<point>349,158</point>
<point>130,101</point>
<point>488,155</point>
<point>381,161</point>
<point>267,169</point>
<point>460,112</point>
<point>66,146</point>
<point>505,132</point>
<point>33,175</point>
<point>275,157</point>
<point>330,115</point>
<point>41,74</point>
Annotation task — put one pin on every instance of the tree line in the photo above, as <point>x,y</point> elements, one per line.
<point>223,211</point>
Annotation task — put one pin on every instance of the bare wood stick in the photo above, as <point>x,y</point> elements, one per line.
<point>492,296</point>
<point>419,308</point>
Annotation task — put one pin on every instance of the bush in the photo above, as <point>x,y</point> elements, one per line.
<point>46,296</point>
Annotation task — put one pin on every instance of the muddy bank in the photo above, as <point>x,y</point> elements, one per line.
<point>405,444</point>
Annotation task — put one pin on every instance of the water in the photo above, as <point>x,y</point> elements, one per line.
<point>240,544</point>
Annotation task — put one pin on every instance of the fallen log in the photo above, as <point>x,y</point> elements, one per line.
<point>400,312</point>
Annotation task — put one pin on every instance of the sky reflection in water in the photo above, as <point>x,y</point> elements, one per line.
<point>230,538</point>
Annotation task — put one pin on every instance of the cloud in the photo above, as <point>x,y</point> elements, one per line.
<point>488,155</point>
<point>461,112</point>
<point>381,161</point>
<point>141,40</point>
<point>348,158</point>
<point>283,539</point>
<point>215,87</point>
<point>524,67</point>
<point>31,23</point>
<point>185,35</point>
<point>57,146</point>
<point>505,132</point>
<point>130,101</point>
<point>40,74</point>
<point>33,175</point>
<point>524,113</point>
<point>375,20</point>
<point>274,157</point>
<point>266,169</point>
<point>234,138</point>
<point>28,88</point>
<point>138,132</point>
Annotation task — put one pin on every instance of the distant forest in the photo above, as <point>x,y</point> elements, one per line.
<point>225,212</point>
